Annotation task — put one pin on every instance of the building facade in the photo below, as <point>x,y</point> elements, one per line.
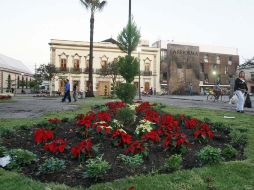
<point>198,65</point>
<point>14,75</point>
<point>71,59</point>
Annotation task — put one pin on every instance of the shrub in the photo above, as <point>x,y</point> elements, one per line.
<point>2,151</point>
<point>96,167</point>
<point>128,68</point>
<point>126,92</point>
<point>7,132</point>
<point>229,152</point>
<point>238,138</point>
<point>51,165</point>
<point>221,127</point>
<point>101,108</point>
<point>209,155</point>
<point>125,115</point>
<point>174,162</point>
<point>131,161</point>
<point>19,158</point>
<point>43,124</point>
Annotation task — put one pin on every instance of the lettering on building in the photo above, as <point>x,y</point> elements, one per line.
<point>184,52</point>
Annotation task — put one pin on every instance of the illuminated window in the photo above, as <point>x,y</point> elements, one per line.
<point>218,59</point>
<point>206,58</point>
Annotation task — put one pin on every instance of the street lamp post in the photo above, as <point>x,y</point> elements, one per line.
<point>139,93</point>
<point>214,74</point>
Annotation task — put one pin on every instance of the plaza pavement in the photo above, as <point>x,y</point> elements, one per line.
<point>197,102</point>
<point>28,106</point>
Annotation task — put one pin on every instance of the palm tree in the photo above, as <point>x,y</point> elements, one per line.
<point>93,6</point>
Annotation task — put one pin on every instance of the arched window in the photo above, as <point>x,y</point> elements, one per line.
<point>63,62</point>
<point>147,67</point>
<point>104,62</point>
<point>76,62</point>
<point>87,63</point>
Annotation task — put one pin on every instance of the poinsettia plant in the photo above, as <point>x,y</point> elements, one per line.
<point>43,135</point>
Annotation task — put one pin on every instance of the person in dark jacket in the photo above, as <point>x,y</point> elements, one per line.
<point>67,91</point>
<point>240,89</point>
<point>75,92</point>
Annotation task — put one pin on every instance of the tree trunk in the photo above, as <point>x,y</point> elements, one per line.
<point>90,78</point>
<point>129,21</point>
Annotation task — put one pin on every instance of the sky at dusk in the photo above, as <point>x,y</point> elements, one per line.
<point>28,25</point>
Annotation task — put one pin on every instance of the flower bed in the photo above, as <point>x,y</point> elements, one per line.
<point>5,96</point>
<point>110,142</point>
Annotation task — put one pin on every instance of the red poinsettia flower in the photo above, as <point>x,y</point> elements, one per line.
<point>191,123</point>
<point>43,135</point>
<point>152,115</point>
<point>153,135</point>
<point>135,148</point>
<point>104,116</point>
<point>203,132</point>
<point>115,105</point>
<point>57,145</point>
<point>84,147</point>
<point>121,138</point>
<point>142,108</point>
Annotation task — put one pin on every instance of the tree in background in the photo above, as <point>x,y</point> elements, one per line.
<point>46,72</point>
<point>35,83</point>
<point>22,84</point>
<point>111,70</point>
<point>93,6</point>
<point>9,83</point>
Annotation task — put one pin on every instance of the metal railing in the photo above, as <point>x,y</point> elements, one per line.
<point>146,73</point>
<point>75,70</point>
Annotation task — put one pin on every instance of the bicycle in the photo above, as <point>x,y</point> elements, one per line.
<point>216,95</point>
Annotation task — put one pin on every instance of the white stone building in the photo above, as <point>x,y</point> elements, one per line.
<point>17,72</point>
<point>71,60</point>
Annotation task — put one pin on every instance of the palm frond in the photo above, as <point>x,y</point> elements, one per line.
<point>102,5</point>
<point>86,3</point>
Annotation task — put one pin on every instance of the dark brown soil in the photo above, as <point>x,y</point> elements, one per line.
<point>73,175</point>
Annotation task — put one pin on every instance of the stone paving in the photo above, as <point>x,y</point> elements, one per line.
<point>197,102</point>
<point>23,107</point>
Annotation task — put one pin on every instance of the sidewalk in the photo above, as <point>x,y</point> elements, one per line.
<point>201,101</point>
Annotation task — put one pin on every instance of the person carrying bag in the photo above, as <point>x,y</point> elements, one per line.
<point>240,89</point>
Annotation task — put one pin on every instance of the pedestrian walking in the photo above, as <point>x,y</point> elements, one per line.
<point>67,91</point>
<point>75,92</point>
<point>190,89</point>
<point>240,90</point>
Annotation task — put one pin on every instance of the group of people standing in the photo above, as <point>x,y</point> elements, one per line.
<point>67,91</point>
